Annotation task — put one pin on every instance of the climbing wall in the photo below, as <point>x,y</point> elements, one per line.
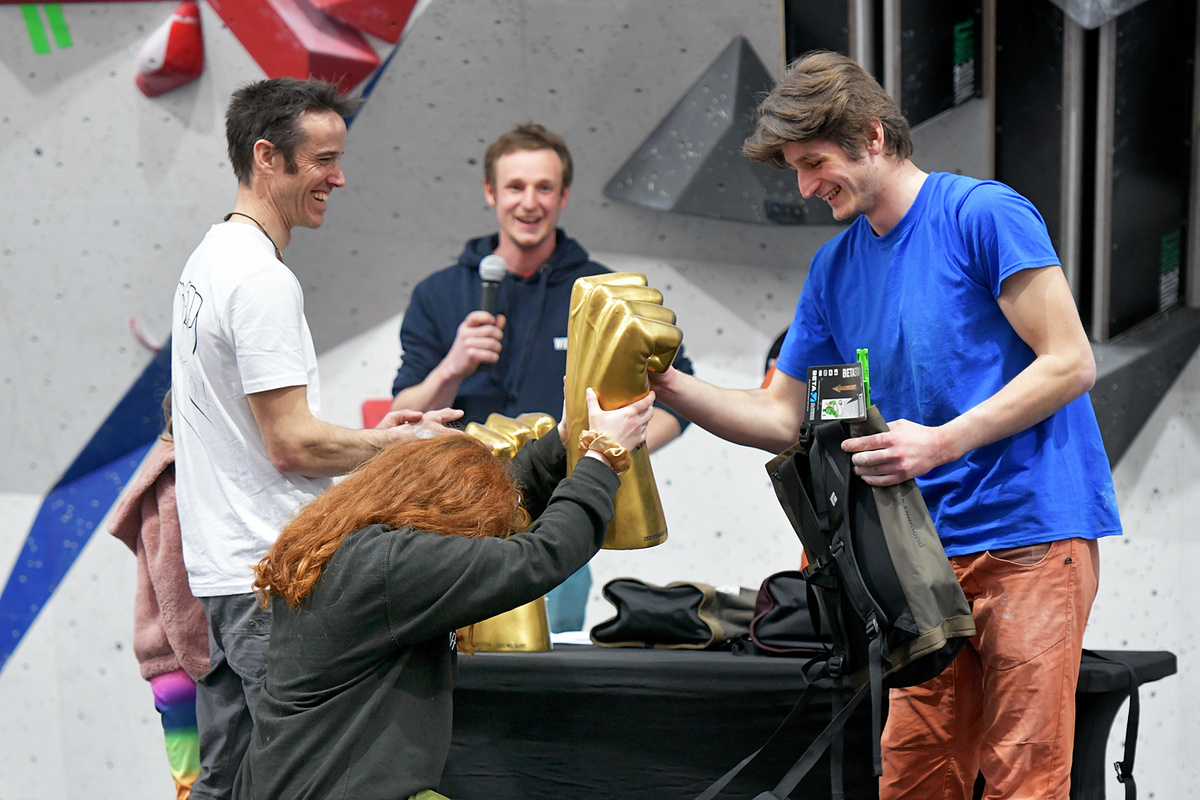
<point>111,190</point>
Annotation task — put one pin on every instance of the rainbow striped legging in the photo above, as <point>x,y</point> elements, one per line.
<point>175,699</point>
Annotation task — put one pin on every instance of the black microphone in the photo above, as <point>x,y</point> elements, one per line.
<point>492,270</point>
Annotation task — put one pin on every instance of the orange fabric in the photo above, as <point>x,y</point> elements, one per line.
<point>1006,706</point>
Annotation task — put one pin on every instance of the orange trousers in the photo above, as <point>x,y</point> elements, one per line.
<point>1006,705</point>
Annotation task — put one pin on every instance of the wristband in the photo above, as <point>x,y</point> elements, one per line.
<point>618,457</point>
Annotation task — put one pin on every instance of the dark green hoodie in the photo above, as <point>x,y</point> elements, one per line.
<point>358,697</point>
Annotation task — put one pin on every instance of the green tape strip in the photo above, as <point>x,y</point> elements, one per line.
<point>37,31</point>
<point>58,25</point>
<point>866,374</point>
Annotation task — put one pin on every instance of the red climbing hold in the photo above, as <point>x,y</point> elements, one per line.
<point>174,53</point>
<point>293,38</point>
<point>383,18</point>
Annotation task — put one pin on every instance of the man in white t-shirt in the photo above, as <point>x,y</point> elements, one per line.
<point>249,447</point>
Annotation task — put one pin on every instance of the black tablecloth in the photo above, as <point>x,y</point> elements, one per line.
<point>585,722</point>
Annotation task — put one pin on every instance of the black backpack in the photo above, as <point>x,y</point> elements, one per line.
<point>886,590</point>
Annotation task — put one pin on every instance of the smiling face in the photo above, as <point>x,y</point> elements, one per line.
<point>528,196</point>
<point>301,196</point>
<point>851,186</point>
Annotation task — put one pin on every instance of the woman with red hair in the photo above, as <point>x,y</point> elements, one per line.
<point>375,584</point>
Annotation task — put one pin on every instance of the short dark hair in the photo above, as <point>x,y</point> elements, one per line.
<point>529,136</point>
<point>826,95</point>
<point>270,110</point>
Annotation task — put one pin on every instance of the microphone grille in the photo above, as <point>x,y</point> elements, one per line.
<point>492,268</point>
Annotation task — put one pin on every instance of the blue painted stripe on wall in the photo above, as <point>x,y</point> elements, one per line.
<point>135,420</point>
<point>64,524</point>
<point>75,506</point>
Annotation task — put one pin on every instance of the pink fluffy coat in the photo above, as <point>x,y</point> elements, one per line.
<point>169,627</point>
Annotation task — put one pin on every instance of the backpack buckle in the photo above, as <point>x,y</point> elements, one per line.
<point>806,436</point>
<point>835,666</point>
<point>1122,775</point>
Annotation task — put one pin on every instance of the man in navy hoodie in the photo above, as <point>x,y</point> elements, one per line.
<point>456,355</point>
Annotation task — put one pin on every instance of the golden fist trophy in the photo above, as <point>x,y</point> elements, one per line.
<point>617,333</point>
<point>525,629</point>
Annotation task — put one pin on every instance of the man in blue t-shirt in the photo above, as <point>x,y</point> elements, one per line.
<point>981,366</point>
<point>457,355</point>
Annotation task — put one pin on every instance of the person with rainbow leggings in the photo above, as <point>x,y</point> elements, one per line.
<point>170,636</point>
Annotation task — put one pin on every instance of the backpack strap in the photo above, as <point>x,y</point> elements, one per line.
<point>832,488</point>
<point>837,748</point>
<point>804,700</point>
<point>831,475</point>
<point>833,731</point>
<point>829,478</point>
<point>1124,767</point>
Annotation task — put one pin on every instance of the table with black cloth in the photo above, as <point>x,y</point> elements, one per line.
<point>587,722</point>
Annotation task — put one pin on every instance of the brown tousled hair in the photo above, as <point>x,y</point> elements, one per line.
<point>527,136</point>
<point>451,484</point>
<point>826,95</point>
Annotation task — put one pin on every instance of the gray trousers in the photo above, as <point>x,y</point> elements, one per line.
<point>227,696</point>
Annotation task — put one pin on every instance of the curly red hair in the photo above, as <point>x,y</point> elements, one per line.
<point>451,484</point>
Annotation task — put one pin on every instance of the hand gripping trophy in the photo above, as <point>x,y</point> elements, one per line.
<point>618,331</point>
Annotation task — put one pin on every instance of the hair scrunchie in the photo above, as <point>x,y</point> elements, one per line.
<point>618,457</point>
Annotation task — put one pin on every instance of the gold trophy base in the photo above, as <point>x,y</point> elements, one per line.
<point>525,629</point>
<point>616,539</point>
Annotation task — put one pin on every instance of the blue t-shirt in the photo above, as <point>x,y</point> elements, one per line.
<point>923,300</point>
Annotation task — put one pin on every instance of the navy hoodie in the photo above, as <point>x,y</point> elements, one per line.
<point>533,359</point>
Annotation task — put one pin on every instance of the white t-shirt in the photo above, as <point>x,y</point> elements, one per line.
<point>238,328</point>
